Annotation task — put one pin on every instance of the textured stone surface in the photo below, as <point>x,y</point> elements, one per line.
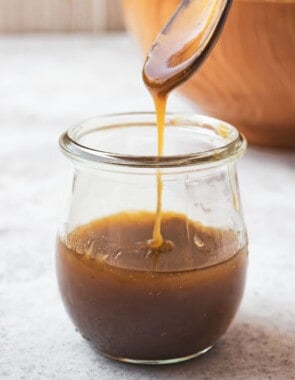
<point>48,83</point>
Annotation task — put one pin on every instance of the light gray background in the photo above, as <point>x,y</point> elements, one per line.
<point>49,83</point>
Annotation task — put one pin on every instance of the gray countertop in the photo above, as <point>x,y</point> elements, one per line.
<point>50,82</point>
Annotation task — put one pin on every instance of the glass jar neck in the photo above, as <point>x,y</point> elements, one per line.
<point>128,141</point>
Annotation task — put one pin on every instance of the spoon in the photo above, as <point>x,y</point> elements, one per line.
<point>184,43</point>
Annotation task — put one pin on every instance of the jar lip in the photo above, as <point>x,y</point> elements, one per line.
<point>234,142</point>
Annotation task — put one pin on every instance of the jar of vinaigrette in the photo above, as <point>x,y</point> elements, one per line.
<point>133,299</point>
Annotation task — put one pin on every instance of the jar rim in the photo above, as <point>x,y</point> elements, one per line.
<point>233,148</point>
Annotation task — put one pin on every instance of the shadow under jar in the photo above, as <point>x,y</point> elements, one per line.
<point>131,302</point>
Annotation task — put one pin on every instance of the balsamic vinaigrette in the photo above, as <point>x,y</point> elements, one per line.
<point>147,286</point>
<point>160,106</point>
<point>127,308</point>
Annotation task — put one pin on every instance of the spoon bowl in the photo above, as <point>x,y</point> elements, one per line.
<point>184,43</point>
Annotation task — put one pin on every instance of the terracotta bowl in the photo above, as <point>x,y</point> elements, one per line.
<point>249,78</point>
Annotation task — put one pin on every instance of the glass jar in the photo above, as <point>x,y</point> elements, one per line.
<point>132,302</point>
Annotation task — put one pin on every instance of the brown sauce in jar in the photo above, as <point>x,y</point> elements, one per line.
<point>131,301</point>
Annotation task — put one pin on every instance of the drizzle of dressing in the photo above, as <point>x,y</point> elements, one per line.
<point>176,54</point>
